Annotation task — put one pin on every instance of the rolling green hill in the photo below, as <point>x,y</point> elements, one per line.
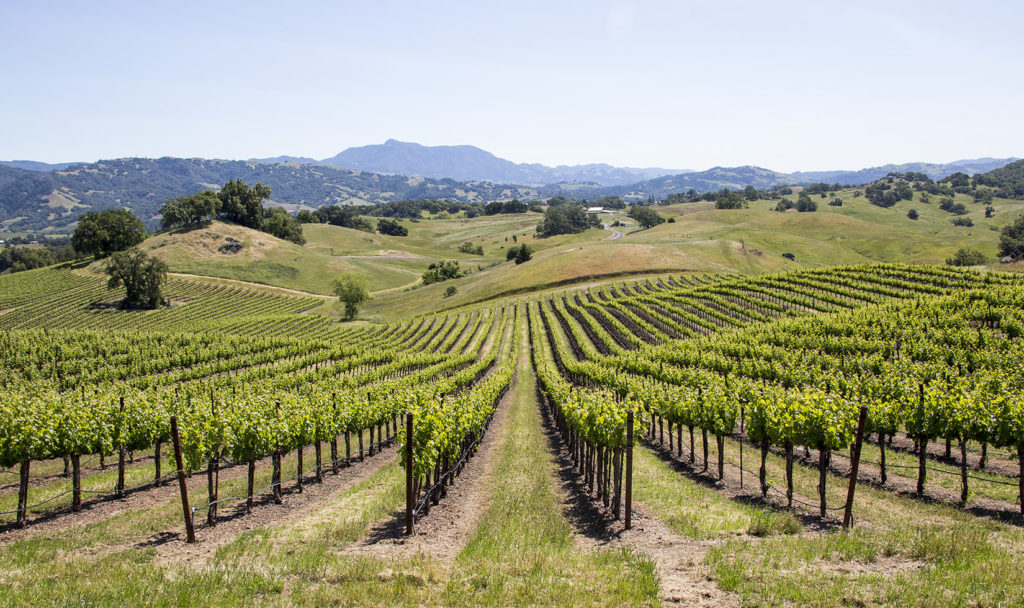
<point>700,239</point>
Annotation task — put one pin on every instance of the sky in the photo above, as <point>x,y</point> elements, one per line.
<point>688,84</point>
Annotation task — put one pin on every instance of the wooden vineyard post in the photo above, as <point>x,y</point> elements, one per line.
<point>629,469</point>
<point>408,475</point>
<point>854,465</point>
<point>190,532</point>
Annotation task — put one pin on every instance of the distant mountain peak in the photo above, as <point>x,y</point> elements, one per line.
<point>33,165</point>
<point>469,163</point>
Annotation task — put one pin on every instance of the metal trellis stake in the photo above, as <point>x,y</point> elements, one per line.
<point>629,469</point>
<point>409,498</point>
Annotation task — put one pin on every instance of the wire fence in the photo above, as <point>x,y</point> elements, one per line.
<point>890,465</point>
<point>151,482</point>
<point>700,461</point>
<point>653,441</point>
<point>329,464</point>
<point>166,477</point>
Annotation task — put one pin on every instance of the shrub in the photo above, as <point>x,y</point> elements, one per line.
<point>519,253</point>
<point>442,271</point>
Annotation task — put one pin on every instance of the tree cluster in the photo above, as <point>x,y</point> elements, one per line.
<point>566,218</point>
<point>442,271</point>
<point>471,249</point>
<point>804,204</point>
<point>645,216</point>
<point>189,210</point>
<point>822,188</point>
<point>1006,182</point>
<point>391,228</point>
<point>886,194</point>
<point>1011,238</point>
<point>506,207</point>
<point>345,216</point>
<point>280,223</point>
<point>243,204</point>
<point>17,259</point>
<point>966,257</point>
<point>948,204</point>
<point>22,256</point>
<point>236,202</point>
<point>101,233</point>
<point>729,199</point>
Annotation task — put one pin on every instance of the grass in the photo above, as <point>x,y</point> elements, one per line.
<point>698,511</point>
<point>901,552</point>
<point>524,552</point>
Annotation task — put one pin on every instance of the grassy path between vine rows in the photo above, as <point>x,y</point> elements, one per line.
<point>902,551</point>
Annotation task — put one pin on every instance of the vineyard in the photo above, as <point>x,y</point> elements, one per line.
<point>783,392</point>
<point>940,361</point>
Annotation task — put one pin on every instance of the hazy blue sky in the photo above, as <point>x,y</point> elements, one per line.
<point>789,85</point>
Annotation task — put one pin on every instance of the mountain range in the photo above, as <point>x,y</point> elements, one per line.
<point>35,200</point>
<point>935,171</point>
<point>36,196</point>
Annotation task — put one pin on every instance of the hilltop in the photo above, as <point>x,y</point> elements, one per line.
<point>700,238</point>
